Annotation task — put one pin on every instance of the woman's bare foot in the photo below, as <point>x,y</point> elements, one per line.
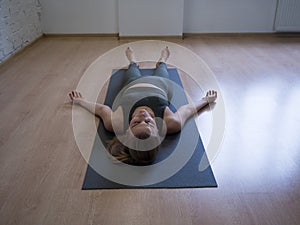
<point>130,55</point>
<point>165,53</point>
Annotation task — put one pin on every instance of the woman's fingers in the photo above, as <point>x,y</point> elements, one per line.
<point>211,92</point>
<point>211,96</point>
<point>71,96</point>
<point>74,95</point>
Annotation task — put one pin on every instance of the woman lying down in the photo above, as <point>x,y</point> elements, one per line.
<point>137,139</point>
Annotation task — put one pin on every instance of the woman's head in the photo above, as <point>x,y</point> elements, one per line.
<point>142,123</point>
<point>139,145</point>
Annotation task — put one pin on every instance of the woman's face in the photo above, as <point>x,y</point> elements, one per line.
<point>143,123</point>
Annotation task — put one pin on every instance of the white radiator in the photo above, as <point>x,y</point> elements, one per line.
<point>288,16</point>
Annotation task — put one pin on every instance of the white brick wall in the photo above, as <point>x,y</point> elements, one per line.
<point>20,24</point>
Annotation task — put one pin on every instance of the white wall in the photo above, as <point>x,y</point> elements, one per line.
<point>210,16</point>
<point>200,16</point>
<point>20,19</point>
<point>19,25</point>
<point>79,16</point>
<point>151,17</point>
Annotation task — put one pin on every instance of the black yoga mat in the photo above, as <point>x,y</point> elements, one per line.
<point>188,176</point>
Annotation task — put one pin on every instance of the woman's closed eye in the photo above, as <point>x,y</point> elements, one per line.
<point>136,123</point>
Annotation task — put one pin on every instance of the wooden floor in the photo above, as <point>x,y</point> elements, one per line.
<point>257,169</point>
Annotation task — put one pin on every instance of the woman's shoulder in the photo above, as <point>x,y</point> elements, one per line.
<point>173,122</point>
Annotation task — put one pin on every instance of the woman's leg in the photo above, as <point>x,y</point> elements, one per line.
<point>161,70</point>
<point>161,66</point>
<point>133,72</point>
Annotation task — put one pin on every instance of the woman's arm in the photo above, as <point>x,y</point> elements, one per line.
<point>103,111</point>
<point>175,121</point>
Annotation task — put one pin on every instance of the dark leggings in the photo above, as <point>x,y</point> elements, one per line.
<point>133,72</point>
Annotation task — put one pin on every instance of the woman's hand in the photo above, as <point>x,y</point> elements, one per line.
<point>75,97</point>
<point>211,96</point>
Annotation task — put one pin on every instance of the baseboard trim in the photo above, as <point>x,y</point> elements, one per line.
<point>152,37</point>
<point>62,35</point>
<point>241,35</point>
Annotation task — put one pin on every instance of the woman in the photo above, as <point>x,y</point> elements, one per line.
<point>141,115</point>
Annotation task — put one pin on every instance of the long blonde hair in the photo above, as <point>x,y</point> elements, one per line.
<point>120,152</point>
